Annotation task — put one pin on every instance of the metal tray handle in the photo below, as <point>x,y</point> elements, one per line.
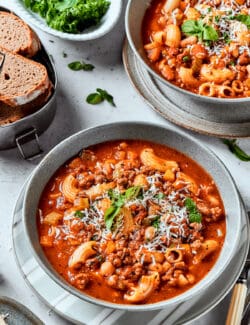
<point>28,144</point>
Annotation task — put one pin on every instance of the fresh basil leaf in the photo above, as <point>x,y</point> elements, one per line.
<point>94,99</point>
<point>190,27</point>
<point>193,213</point>
<point>199,29</point>
<point>236,150</point>
<point>110,215</point>
<point>79,214</point>
<point>210,34</point>
<point>245,19</point>
<point>132,192</point>
<point>105,95</point>
<point>76,65</point>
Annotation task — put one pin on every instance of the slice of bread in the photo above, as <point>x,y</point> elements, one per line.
<point>21,80</point>
<point>10,114</point>
<point>16,36</point>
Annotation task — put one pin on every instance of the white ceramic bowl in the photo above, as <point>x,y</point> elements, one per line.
<point>108,21</point>
<point>131,130</point>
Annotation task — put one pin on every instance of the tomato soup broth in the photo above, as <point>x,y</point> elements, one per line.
<point>131,222</point>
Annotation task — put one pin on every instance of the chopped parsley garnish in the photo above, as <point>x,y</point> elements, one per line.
<point>79,214</point>
<point>70,16</point>
<point>100,96</point>
<point>77,65</point>
<point>236,150</point>
<point>65,55</point>
<point>160,196</point>
<point>226,38</point>
<point>186,58</point>
<point>156,222</point>
<point>200,29</point>
<point>117,201</point>
<point>193,213</point>
<point>217,19</point>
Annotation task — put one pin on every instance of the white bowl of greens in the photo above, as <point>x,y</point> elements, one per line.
<point>76,20</point>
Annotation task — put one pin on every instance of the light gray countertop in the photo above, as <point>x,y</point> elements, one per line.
<point>74,114</point>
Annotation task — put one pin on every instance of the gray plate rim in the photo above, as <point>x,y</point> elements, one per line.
<point>175,114</point>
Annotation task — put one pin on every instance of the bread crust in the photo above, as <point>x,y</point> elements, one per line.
<point>17,87</point>
<point>10,114</point>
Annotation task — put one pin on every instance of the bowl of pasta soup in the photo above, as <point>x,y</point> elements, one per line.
<point>132,216</point>
<point>199,49</point>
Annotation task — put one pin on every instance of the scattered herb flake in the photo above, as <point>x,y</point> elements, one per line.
<point>156,222</point>
<point>160,196</point>
<point>79,214</point>
<point>77,65</point>
<point>65,55</point>
<point>186,58</point>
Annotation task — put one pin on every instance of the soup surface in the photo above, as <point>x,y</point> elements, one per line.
<point>131,222</point>
<point>200,45</point>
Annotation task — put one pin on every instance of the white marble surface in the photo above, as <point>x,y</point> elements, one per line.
<point>74,114</point>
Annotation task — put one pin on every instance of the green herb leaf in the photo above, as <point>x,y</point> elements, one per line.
<point>186,58</point>
<point>217,19</point>
<point>65,4</point>
<point>132,192</point>
<point>236,150</point>
<point>210,34</point>
<point>77,65</point>
<point>65,55</point>
<point>99,97</point>
<point>198,28</point>
<point>160,196</point>
<point>110,215</point>
<point>79,214</point>
<point>156,222</point>
<point>245,19</point>
<point>94,99</point>
<point>105,95</point>
<point>69,16</point>
<point>118,200</point>
<point>193,213</point>
<point>88,67</point>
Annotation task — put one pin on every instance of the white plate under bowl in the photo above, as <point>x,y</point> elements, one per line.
<point>108,21</point>
<point>82,312</point>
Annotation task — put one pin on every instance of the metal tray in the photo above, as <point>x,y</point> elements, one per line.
<point>31,126</point>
